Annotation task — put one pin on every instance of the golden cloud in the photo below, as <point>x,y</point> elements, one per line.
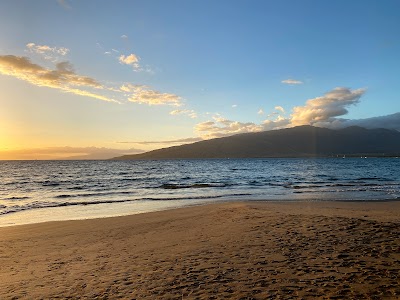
<point>189,112</point>
<point>62,77</point>
<point>144,95</point>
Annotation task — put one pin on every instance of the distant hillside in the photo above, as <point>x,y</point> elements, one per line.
<point>301,141</point>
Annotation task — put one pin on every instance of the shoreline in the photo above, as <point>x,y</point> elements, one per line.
<point>235,250</point>
<point>77,213</point>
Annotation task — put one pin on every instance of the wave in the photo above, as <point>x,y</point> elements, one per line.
<point>93,194</point>
<point>39,205</point>
<point>171,186</point>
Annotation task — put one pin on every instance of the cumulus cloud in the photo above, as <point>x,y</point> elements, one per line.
<point>325,108</point>
<point>144,95</point>
<point>323,111</point>
<point>223,127</point>
<point>260,111</point>
<point>292,81</point>
<point>62,77</point>
<point>189,112</point>
<point>49,53</point>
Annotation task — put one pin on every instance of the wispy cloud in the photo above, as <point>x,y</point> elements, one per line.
<point>189,112</point>
<point>292,81</point>
<point>124,36</point>
<point>49,53</point>
<point>144,95</point>
<point>62,77</point>
<point>166,142</point>
<point>280,108</point>
<point>67,153</point>
<point>260,111</point>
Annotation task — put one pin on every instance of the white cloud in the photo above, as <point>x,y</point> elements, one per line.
<point>260,111</point>
<point>129,59</point>
<point>292,81</point>
<point>49,53</point>
<point>326,107</point>
<point>280,108</point>
<point>124,36</point>
<point>222,127</point>
<point>320,111</point>
<point>234,105</point>
<point>189,112</point>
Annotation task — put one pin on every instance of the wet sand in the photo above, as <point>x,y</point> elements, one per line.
<point>236,250</point>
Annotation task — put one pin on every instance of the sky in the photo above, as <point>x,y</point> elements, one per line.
<point>96,79</point>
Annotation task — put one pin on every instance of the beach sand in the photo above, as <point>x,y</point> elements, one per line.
<point>233,250</point>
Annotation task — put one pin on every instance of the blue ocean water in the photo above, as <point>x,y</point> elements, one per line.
<point>123,187</point>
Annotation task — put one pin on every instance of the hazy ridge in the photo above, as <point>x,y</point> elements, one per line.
<point>301,141</point>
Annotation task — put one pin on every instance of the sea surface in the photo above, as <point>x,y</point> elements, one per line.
<point>38,191</point>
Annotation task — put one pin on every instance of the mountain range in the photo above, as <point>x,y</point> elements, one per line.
<point>300,141</point>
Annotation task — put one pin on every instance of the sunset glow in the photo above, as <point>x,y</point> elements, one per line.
<point>79,78</point>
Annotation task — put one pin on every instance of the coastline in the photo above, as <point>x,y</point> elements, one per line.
<point>235,249</point>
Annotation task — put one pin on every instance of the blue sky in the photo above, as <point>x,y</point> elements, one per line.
<point>165,71</point>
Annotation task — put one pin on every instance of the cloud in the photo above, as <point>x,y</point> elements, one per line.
<point>189,112</point>
<point>124,36</point>
<point>130,60</point>
<point>177,141</point>
<point>320,111</point>
<point>292,81</point>
<point>391,121</point>
<point>62,77</point>
<point>326,107</point>
<point>279,123</point>
<point>223,127</point>
<point>234,105</point>
<point>49,53</point>
<point>144,95</point>
<point>67,153</point>
<point>260,111</point>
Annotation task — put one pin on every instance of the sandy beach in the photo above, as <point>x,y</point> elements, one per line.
<point>233,250</point>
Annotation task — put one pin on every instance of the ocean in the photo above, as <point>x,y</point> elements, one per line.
<point>38,191</point>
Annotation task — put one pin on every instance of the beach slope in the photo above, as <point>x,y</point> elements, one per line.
<point>246,250</point>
